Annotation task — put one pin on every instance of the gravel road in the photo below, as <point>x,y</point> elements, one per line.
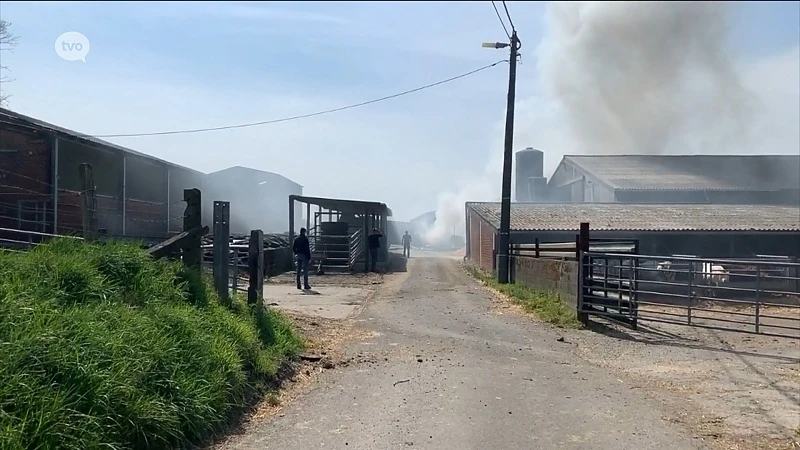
<point>443,369</point>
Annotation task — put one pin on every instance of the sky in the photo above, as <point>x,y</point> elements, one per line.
<point>170,66</point>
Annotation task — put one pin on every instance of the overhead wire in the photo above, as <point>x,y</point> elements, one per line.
<point>305,116</point>
<point>501,19</point>
<point>513,29</point>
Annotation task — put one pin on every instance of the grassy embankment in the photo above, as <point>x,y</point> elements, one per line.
<point>548,306</point>
<point>102,347</point>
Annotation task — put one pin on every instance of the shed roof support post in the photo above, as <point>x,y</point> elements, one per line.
<point>124,193</point>
<point>291,219</point>
<point>54,164</point>
<point>365,249</point>
<point>169,219</point>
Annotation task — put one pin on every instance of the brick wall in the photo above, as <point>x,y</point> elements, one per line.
<point>481,242</point>
<point>143,219</point>
<point>148,219</point>
<point>560,277</point>
<point>24,175</point>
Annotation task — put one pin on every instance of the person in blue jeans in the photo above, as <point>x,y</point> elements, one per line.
<point>374,241</point>
<point>302,253</point>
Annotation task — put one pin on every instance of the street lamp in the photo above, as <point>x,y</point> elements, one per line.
<point>504,241</point>
<point>494,45</point>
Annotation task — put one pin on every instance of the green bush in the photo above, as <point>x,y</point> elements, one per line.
<point>101,346</point>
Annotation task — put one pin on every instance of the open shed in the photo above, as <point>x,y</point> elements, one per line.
<point>338,231</point>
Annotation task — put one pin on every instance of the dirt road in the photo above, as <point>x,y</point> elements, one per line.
<point>444,369</point>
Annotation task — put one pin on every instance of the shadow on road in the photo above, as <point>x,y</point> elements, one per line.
<point>652,336</point>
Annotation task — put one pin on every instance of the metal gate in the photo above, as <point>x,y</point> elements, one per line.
<point>759,295</point>
<point>609,288</point>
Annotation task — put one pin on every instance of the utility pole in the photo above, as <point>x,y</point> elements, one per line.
<point>504,241</point>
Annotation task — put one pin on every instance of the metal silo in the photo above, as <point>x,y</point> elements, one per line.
<point>529,164</point>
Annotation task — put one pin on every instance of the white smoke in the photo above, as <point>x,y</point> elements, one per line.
<point>638,78</point>
<point>450,209</point>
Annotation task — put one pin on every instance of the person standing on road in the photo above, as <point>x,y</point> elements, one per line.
<point>374,241</point>
<point>302,253</point>
<point>407,245</point>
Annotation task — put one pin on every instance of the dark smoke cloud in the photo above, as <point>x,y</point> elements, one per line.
<point>644,77</point>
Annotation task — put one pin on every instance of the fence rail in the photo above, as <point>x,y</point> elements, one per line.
<point>756,295</point>
<point>745,295</point>
<point>570,250</point>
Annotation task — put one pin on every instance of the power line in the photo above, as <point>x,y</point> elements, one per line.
<point>305,116</point>
<point>507,15</point>
<point>501,19</point>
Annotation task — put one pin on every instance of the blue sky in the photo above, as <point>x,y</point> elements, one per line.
<point>161,66</point>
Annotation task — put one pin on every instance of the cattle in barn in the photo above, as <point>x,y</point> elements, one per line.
<point>665,272</point>
<point>714,276</point>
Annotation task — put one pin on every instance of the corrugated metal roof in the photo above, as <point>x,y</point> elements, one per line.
<point>693,172</point>
<point>341,204</point>
<point>15,118</point>
<point>638,217</point>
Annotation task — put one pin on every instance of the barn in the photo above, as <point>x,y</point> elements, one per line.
<point>137,195</point>
<point>710,179</point>
<point>259,199</point>
<point>723,231</point>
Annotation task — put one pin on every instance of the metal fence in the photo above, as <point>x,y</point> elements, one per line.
<point>570,250</point>
<point>759,295</point>
<point>238,267</point>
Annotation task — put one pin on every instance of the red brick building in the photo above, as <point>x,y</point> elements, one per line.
<point>137,195</point>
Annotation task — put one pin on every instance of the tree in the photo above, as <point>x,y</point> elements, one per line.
<point>7,42</point>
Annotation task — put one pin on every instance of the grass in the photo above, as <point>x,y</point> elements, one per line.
<point>548,306</point>
<point>103,347</point>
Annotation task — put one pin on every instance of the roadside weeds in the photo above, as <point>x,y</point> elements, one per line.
<point>547,306</point>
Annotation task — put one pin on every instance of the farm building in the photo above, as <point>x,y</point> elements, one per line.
<point>702,230</point>
<point>710,179</point>
<point>722,179</point>
<point>137,195</point>
<point>338,230</point>
<point>425,221</point>
<point>259,199</point>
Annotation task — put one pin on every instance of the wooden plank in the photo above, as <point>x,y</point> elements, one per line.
<point>192,219</point>
<point>166,247</point>
<point>255,292</point>
<point>89,203</point>
<point>221,249</point>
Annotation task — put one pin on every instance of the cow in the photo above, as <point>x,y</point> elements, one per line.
<point>714,275</point>
<point>665,272</point>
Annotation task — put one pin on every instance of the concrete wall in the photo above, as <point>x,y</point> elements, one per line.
<point>559,277</point>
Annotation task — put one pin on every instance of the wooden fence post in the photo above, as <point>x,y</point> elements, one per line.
<point>583,272</point>
<point>255,261</point>
<point>222,213</point>
<point>192,255</point>
<point>89,203</point>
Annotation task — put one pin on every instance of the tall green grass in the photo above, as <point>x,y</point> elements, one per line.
<point>103,347</point>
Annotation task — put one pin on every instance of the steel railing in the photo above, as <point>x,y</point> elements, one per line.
<point>759,295</point>
<point>356,247</point>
